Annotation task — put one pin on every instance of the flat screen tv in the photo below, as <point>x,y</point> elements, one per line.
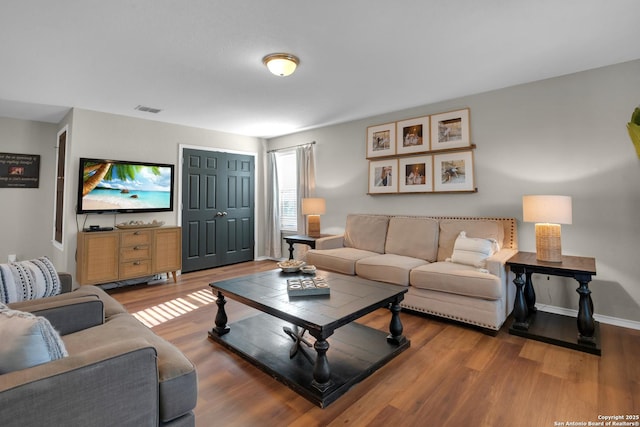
<point>116,186</point>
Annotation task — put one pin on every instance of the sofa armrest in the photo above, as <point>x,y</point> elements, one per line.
<point>85,389</point>
<point>496,262</point>
<point>66,316</point>
<point>330,242</point>
<point>66,283</point>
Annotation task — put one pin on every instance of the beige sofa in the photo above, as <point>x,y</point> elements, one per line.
<point>418,252</point>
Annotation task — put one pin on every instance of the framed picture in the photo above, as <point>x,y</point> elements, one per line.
<point>383,176</point>
<point>413,135</point>
<point>381,140</point>
<point>450,130</point>
<point>416,174</point>
<point>453,171</point>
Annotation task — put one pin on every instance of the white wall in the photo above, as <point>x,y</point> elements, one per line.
<point>101,135</point>
<point>565,135</point>
<point>26,214</point>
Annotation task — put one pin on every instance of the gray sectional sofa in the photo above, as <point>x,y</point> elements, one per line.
<point>117,373</point>
<point>447,274</point>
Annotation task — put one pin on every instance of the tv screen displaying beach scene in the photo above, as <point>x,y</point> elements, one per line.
<point>119,186</point>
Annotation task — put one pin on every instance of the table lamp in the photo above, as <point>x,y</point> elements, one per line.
<point>313,208</point>
<point>548,212</point>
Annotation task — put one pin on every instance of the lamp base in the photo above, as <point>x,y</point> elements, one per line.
<point>548,242</point>
<point>313,225</point>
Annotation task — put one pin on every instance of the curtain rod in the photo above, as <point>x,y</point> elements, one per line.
<point>293,146</point>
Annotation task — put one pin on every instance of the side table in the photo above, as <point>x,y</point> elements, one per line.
<point>305,240</point>
<point>548,327</point>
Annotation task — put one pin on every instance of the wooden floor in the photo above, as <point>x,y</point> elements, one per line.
<point>451,375</point>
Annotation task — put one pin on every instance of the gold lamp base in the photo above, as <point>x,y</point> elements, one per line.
<point>313,225</point>
<point>548,242</point>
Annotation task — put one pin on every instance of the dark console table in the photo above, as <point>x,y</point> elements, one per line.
<point>306,240</point>
<point>548,327</point>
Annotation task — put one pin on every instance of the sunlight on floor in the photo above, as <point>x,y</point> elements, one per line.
<point>154,316</point>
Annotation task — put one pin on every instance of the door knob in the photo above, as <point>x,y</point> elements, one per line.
<point>224,214</point>
<point>220,214</point>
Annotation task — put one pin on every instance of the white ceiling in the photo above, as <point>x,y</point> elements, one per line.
<point>200,60</point>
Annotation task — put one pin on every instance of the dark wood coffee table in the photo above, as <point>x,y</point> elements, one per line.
<point>275,342</point>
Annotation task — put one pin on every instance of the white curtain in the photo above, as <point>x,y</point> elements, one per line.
<point>306,167</point>
<point>273,241</point>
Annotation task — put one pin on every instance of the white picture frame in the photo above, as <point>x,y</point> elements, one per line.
<point>381,140</point>
<point>450,130</point>
<point>416,174</point>
<point>453,172</point>
<point>383,176</point>
<point>413,135</point>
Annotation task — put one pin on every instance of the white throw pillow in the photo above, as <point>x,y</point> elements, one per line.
<point>27,280</point>
<point>27,340</point>
<point>473,250</point>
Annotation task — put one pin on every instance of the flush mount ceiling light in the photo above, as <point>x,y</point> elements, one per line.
<point>281,64</point>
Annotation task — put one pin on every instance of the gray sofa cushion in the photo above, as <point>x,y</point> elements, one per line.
<point>457,279</point>
<point>388,268</point>
<point>80,390</point>
<point>413,237</point>
<point>341,260</point>
<point>366,232</point>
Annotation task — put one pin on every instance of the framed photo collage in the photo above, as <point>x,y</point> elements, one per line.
<point>430,154</point>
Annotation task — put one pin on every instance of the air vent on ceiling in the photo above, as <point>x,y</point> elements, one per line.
<point>148,109</point>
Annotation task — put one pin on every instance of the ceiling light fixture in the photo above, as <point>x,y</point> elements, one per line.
<point>281,64</point>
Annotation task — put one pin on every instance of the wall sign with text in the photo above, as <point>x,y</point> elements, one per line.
<point>19,170</point>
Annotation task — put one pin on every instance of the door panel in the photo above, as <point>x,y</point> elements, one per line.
<point>218,209</point>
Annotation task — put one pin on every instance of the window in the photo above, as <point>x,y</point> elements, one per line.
<point>287,184</point>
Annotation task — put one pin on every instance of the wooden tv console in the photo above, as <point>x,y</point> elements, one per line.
<point>111,256</point>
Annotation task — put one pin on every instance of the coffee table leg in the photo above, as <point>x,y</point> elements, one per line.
<point>395,326</point>
<point>221,327</point>
<point>321,371</point>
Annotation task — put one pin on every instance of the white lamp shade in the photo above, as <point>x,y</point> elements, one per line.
<point>547,209</point>
<point>313,206</point>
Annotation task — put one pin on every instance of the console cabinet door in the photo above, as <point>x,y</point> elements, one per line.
<point>167,250</point>
<point>98,257</point>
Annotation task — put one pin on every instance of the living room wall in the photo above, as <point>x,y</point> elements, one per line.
<point>26,217</point>
<point>565,135</point>
<point>102,135</point>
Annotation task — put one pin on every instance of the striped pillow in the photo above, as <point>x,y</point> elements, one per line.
<point>27,280</point>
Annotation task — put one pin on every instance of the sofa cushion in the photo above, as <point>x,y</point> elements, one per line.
<point>413,237</point>
<point>366,232</point>
<point>451,228</point>
<point>388,268</point>
<point>176,374</point>
<point>473,251</point>
<point>457,279</point>
<point>27,280</point>
<point>341,260</point>
<point>27,340</point>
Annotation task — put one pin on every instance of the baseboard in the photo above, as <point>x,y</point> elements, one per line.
<point>624,323</point>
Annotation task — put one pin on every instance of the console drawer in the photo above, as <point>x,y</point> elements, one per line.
<point>133,253</point>
<point>129,270</point>
<point>137,237</point>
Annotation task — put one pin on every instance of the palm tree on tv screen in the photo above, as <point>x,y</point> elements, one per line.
<point>94,173</point>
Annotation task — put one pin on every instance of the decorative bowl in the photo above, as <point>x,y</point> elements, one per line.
<point>291,265</point>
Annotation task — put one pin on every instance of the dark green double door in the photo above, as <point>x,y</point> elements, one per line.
<point>217,209</point>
